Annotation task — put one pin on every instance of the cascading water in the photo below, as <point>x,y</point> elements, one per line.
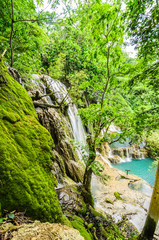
<point>104,159</point>
<point>61,93</point>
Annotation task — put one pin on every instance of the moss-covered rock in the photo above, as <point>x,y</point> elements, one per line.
<point>117,195</point>
<point>78,223</point>
<point>26,181</point>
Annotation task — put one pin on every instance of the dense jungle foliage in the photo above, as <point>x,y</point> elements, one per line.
<point>83,44</point>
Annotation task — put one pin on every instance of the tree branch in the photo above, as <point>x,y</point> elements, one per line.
<point>5,50</point>
<point>108,78</point>
<point>8,9</point>
<point>45,105</point>
<point>38,97</point>
<point>115,140</point>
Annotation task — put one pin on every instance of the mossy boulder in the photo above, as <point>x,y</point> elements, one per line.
<point>26,181</point>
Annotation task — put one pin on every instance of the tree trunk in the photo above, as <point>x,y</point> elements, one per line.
<point>87,195</point>
<point>153,214</point>
<point>11,33</point>
<point>88,173</point>
<point>87,179</point>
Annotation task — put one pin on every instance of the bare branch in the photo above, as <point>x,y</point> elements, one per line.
<point>115,140</point>
<point>5,50</point>
<point>41,105</point>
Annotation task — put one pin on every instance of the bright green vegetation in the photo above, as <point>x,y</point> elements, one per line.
<point>152,143</point>
<point>84,49</point>
<point>27,183</point>
<point>117,195</point>
<point>78,223</point>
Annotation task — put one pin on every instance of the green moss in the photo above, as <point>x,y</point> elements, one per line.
<point>78,223</point>
<point>117,195</point>
<point>90,226</point>
<point>108,200</point>
<point>27,183</point>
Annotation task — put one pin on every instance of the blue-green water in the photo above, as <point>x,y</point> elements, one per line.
<point>140,167</point>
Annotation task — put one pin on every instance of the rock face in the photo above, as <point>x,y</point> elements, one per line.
<point>26,180</point>
<point>56,121</point>
<point>46,231</point>
<point>115,159</point>
<point>132,152</point>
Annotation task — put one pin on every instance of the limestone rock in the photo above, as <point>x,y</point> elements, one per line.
<point>114,159</point>
<point>60,129</point>
<point>46,231</point>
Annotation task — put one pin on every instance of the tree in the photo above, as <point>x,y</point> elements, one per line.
<point>23,32</point>
<point>143,28</point>
<point>143,18</point>
<point>109,105</point>
<point>153,213</point>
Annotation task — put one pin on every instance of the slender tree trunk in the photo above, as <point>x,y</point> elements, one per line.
<point>11,33</point>
<point>153,214</point>
<point>88,173</point>
<point>108,73</point>
<point>87,179</point>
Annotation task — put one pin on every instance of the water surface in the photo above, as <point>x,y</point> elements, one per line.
<point>140,167</point>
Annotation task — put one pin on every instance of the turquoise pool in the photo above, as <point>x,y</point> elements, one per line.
<point>140,167</point>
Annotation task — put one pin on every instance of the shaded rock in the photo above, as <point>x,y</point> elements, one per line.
<point>46,231</point>
<point>105,150</point>
<point>114,159</point>
<point>75,171</point>
<point>119,152</point>
<point>14,74</point>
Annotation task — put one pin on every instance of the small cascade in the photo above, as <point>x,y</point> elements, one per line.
<point>110,154</point>
<point>104,159</point>
<point>128,158</point>
<point>140,153</point>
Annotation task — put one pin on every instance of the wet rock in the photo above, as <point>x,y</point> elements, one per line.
<point>75,171</point>
<point>60,129</point>
<point>115,159</point>
<point>14,74</point>
<point>141,186</point>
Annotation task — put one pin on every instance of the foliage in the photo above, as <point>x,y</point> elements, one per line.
<point>23,38</point>
<point>117,195</point>
<point>143,18</point>
<point>152,143</point>
<point>78,223</point>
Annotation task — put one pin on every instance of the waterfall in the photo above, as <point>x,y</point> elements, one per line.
<point>61,93</point>
<point>128,158</point>
<point>104,159</point>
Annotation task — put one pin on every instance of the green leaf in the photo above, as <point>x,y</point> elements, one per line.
<point>11,215</point>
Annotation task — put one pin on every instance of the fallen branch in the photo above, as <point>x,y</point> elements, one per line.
<point>38,97</point>
<point>45,105</point>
